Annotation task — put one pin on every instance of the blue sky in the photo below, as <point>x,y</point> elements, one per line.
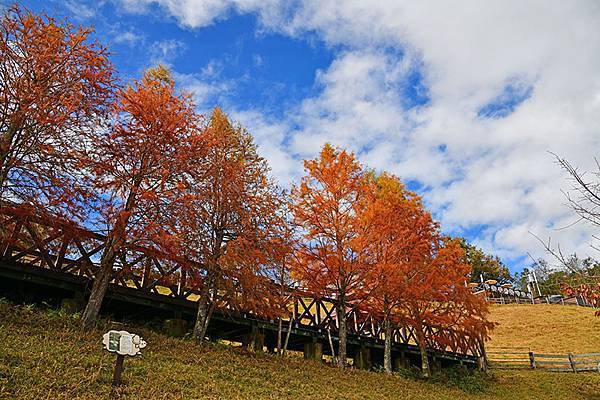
<point>462,102</point>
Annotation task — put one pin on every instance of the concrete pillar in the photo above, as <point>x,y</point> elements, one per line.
<point>255,340</point>
<point>175,327</point>
<point>313,351</point>
<point>362,358</point>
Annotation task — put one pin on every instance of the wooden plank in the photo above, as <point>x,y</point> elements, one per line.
<point>510,366</point>
<point>594,368</point>
<point>41,244</point>
<point>586,355</point>
<point>551,355</point>
<point>586,362</point>
<point>566,362</point>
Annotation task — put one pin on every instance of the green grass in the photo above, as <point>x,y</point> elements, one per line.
<point>44,355</point>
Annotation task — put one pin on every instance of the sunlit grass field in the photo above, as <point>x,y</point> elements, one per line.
<point>546,328</point>
<point>44,355</point>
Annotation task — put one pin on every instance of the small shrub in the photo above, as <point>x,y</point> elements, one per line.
<point>409,373</point>
<point>469,381</point>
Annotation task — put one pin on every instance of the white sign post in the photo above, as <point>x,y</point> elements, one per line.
<point>124,344</point>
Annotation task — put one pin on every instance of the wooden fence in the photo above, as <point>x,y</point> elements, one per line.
<point>520,358</point>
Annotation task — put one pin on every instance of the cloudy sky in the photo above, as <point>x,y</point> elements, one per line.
<point>463,100</point>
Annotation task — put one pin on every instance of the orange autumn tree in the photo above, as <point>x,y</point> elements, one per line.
<point>327,206</point>
<point>138,168</point>
<point>56,86</point>
<point>399,232</point>
<point>228,221</point>
<point>438,303</point>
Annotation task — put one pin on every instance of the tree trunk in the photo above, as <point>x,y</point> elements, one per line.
<point>279,329</point>
<point>387,352</point>
<point>203,313</point>
<point>6,141</point>
<point>424,360</point>
<point>333,357</point>
<point>342,361</point>
<point>101,281</point>
<point>114,242</point>
<point>483,353</point>
<point>289,332</point>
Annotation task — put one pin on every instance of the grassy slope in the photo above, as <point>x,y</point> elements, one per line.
<point>45,356</point>
<point>546,328</point>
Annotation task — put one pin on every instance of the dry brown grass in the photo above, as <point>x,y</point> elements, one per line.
<point>44,355</point>
<point>546,328</point>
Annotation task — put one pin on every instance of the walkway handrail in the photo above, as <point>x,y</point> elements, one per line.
<point>61,246</point>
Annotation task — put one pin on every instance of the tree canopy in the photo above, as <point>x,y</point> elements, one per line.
<point>139,164</point>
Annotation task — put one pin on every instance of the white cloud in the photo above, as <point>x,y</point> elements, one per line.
<point>207,86</point>
<point>270,138</point>
<point>128,38</point>
<point>80,11</point>
<point>257,60</point>
<point>477,171</point>
<point>165,51</point>
<point>199,13</point>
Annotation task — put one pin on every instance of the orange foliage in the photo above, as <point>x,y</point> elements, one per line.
<point>229,220</point>
<point>419,278</point>
<point>57,85</point>
<point>139,167</point>
<point>162,179</point>
<point>141,163</point>
<point>400,232</point>
<point>589,292</point>
<point>327,206</point>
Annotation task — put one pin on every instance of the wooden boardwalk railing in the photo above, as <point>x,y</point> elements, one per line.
<point>61,247</point>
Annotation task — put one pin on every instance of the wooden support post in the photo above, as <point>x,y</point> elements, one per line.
<point>531,360</point>
<point>313,351</point>
<point>118,370</point>
<point>401,362</point>
<point>572,362</point>
<point>436,364</point>
<point>255,340</point>
<point>362,358</point>
<point>481,363</point>
<point>146,274</point>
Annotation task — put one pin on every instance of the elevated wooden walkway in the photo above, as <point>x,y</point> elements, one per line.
<point>39,257</point>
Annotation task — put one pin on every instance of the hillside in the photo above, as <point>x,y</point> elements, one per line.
<point>546,328</point>
<point>44,355</point>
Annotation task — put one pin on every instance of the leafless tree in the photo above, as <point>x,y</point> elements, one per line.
<point>584,194</point>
